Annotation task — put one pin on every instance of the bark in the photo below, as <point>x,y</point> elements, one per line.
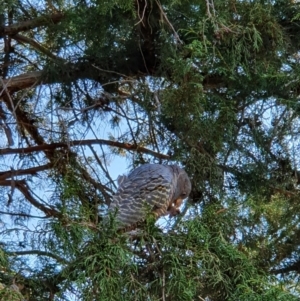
<point>31,24</point>
<point>53,146</point>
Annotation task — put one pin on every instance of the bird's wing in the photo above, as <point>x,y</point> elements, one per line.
<point>145,188</point>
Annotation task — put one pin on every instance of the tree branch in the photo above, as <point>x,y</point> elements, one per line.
<point>31,24</point>
<point>64,72</point>
<point>39,253</point>
<point>74,72</point>
<point>22,214</point>
<point>20,172</point>
<point>35,45</point>
<point>22,187</point>
<point>21,82</point>
<point>52,146</point>
<point>295,267</point>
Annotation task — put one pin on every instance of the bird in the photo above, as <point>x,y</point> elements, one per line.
<point>150,187</point>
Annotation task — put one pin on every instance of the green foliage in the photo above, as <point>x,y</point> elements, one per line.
<point>10,295</point>
<point>210,85</point>
<point>194,261</point>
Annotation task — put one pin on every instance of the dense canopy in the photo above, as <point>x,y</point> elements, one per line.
<point>90,89</point>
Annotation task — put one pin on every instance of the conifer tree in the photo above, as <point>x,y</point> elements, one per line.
<point>210,85</point>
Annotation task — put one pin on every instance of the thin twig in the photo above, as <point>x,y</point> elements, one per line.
<point>4,85</point>
<point>143,15</point>
<point>208,5</point>
<point>144,60</point>
<point>110,71</point>
<point>102,167</point>
<point>163,285</point>
<point>8,95</point>
<point>167,20</point>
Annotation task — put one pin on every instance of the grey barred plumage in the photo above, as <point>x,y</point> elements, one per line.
<point>162,188</point>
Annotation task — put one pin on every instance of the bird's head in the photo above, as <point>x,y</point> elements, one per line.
<point>183,186</point>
